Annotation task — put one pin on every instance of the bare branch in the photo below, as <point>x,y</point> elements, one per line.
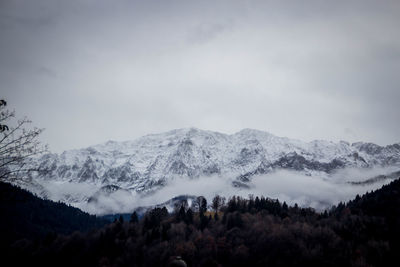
<point>17,144</point>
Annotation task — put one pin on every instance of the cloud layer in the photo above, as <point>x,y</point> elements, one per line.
<point>293,187</point>
<point>90,71</point>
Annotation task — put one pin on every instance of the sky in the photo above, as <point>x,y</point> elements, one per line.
<point>91,71</point>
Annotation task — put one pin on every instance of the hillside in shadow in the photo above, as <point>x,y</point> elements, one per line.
<point>243,232</point>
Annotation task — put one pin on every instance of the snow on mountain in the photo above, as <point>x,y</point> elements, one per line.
<point>148,163</point>
<point>152,160</point>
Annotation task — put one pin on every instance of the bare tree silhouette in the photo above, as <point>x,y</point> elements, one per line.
<point>18,142</point>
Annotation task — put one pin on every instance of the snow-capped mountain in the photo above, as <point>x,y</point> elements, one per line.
<point>152,160</point>
<point>116,170</point>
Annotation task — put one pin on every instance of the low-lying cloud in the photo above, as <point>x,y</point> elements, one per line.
<point>292,187</point>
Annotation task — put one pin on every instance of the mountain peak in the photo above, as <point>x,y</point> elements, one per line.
<point>150,162</point>
<point>253,132</point>
<point>154,159</point>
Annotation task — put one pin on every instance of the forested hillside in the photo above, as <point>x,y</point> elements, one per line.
<point>243,232</point>
<point>25,216</point>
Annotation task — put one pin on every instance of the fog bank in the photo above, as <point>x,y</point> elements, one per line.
<point>292,187</point>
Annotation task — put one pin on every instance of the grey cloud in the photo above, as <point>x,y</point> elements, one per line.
<point>307,191</point>
<point>47,72</point>
<point>302,70</point>
<point>207,31</point>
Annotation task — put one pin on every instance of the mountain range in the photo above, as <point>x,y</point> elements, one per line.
<point>150,162</point>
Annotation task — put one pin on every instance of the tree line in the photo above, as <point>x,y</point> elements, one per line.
<point>254,231</point>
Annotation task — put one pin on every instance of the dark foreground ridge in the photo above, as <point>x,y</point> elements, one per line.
<point>23,215</point>
<point>244,232</point>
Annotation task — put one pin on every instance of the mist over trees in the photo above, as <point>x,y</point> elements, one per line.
<point>254,231</point>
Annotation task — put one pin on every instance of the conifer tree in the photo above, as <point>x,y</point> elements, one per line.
<point>134,218</point>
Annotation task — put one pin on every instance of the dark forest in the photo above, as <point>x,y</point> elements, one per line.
<point>243,232</point>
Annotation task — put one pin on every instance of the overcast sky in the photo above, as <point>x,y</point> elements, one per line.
<point>91,71</point>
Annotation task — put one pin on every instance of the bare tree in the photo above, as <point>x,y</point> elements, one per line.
<point>18,142</point>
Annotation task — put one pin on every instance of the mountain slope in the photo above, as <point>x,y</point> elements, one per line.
<point>153,159</point>
<point>25,215</point>
<point>111,172</point>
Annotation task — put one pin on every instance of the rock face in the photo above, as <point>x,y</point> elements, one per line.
<point>149,162</point>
